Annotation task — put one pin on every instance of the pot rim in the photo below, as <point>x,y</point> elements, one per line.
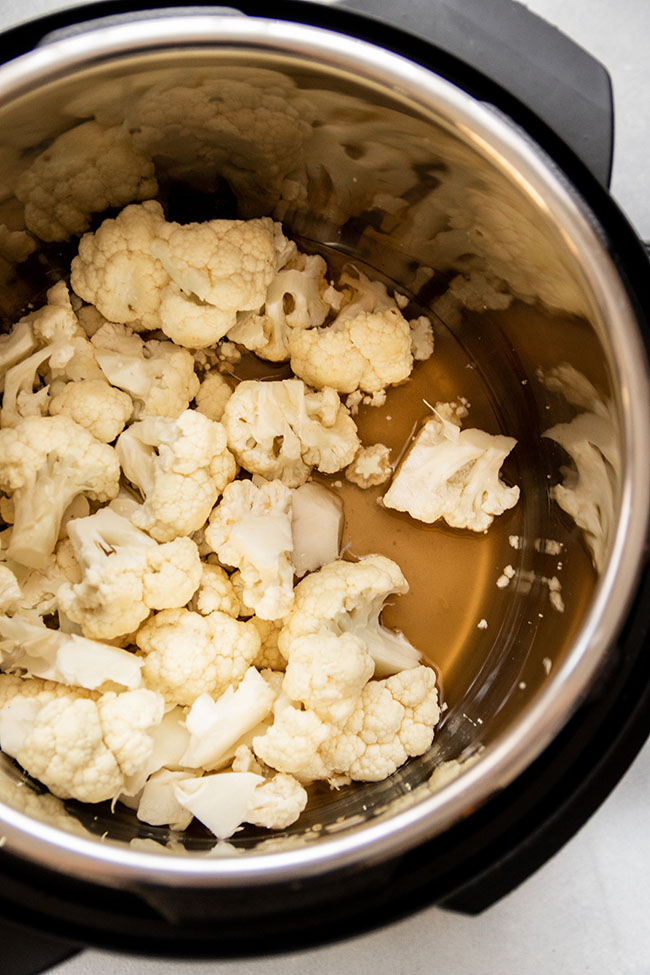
<point>510,149</point>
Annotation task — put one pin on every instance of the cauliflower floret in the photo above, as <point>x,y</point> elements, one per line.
<point>115,270</point>
<point>422,341</point>
<point>181,466</point>
<point>277,803</point>
<point>371,466</point>
<point>296,298</point>
<point>158,375</point>
<point>316,526</point>
<point>212,396</point>
<point>125,574</point>
<point>281,429</point>
<point>368,352</point>
<point>95,405</point>
<point>186,655</point>
<point>84,171</point>
<point>347,597</point>
<point>215,727</point>
<point>45,462</point>
<point>215,592</point>
<point>15,245</point>
<point>327,673</point>
<point>250,529</point>
<point>392,720</point>
<point>64,657</point>
<point>40,587</point>
<point>453,474</point>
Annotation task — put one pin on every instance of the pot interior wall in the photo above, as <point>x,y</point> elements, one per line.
<point>361,174</point>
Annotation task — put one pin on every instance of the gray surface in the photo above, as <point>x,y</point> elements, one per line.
<point>587,910</point>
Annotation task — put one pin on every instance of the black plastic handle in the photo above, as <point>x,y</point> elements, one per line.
<point>532,60</point>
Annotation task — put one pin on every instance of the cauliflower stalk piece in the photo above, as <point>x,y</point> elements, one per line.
<point>392,720</point>
<point>84,171</point>
<point>453,474</point>
<point>45,462</point>
<point>250,529</point>
<point>10,592</point>
<point>346,598</point>
<point>79,744</point>
<point>215,727</point>
<point>125,574</point>
<point>316,527</point>
<point>158,376</point>
<point>281,429</point>
<point>180,466</point>
<point>186,655</point>
<point>64,657</point>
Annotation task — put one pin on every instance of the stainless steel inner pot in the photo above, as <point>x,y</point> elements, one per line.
<point>364,155</point>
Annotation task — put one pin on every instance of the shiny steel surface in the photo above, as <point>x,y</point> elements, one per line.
<point>489,160</point>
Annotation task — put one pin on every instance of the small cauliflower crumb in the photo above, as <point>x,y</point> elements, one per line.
<point>371,466</point>
<point>482,624</point>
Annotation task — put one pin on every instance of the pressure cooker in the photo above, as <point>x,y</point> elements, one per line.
<point>424,140</point>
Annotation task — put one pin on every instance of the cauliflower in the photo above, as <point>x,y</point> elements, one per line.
<point>80,746</point>
<point>225,801</point>
<point>95,405</point>
<point>215,727</point>
<point>282,429</point>
<point>269,655</point>
<point>45,462</point>
<point>115,270</point>
<point>40,587</point>
<point>250,529</point>
<point>327,673</point>
<point>346,598</point>
<point>212,396</point>
<point>453,474</point>
<point>190,280</point>
<point>16,346</point>
<point>370,467</point>
<point>367,352</point>
<point>366,347</point>
<point>186,655</point>
<point>158,375</point>
<point>125,574</point>
<point>296,298</point>
<point>215,592</point>
<point>392,720</point>
<point>316,527</point>
<point>84,171</point>
<point>64,657</point>
<point>158,805</point>
<point>180,466</point>
<point>422,340</point>
<point>10,592</point>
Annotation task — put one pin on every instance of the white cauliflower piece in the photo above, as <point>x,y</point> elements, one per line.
<point>269,656</point>
<point>80,744</point>
<point>392,720</point>
<point>95,405</point>
<point>371,466</point>
<point>84,171</point>
<point>277,803</point>
<point>16,345</point>
<point>453,474</point>
<point>180,466</point>
<point>39,587</point>
<point>250,529</point>
<point>281,429</point>
<point>186,655</point>
<point>45,462</point>
<point>367,352</point>
<point>10,592</point>
<point>347,597</point>
<point>296,298</point>
<point>158,805</point>
<point>422,341</point>
<point>215,592</point>
<point>158,376</point>
<point>327,673</point>
<point>64,657</point>
<point>115,270</point>
<point>316,527</point>
<point>215,727</point>
<point>125,574</point>
<point>212,396</point>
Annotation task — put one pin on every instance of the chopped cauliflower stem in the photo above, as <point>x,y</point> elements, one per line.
<point>184,625</point>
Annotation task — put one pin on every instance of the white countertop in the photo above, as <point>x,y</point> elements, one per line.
<point>588,909</point>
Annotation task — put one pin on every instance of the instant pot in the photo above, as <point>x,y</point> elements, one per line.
<point>429,144</point>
